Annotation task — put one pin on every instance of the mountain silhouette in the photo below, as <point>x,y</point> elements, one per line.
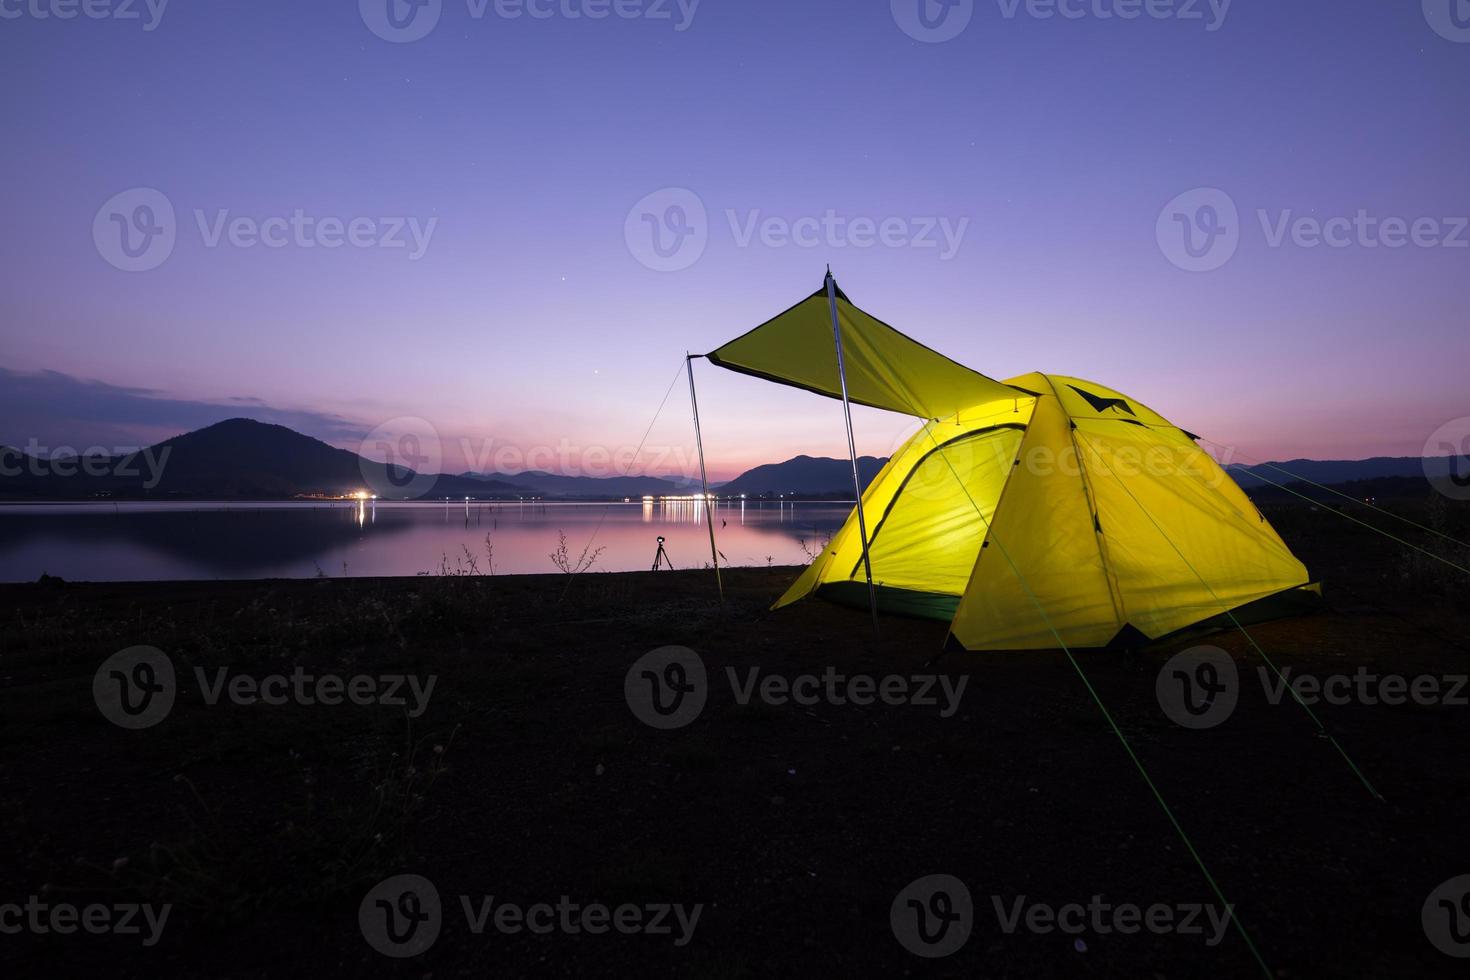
<point>245,459</point>
<point>237,458</point>
<point>805,475</point>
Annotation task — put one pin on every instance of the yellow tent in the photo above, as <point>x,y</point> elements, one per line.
<point>1033,513</point>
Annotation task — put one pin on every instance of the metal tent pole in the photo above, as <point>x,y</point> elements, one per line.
<point>709,515</point>
<point>857,486</point>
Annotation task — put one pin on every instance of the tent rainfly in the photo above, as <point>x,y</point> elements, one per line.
<point>1034,513</point>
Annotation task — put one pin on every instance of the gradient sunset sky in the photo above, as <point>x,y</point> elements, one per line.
<point>532,317</point>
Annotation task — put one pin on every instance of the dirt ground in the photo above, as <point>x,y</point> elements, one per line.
<point>528,777</point>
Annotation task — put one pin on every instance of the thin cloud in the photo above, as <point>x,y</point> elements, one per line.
<point>49,409</point>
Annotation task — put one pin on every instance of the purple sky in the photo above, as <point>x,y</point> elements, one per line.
<point>529,320</point>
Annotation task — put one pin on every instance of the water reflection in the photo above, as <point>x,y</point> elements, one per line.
<point>120,541</point>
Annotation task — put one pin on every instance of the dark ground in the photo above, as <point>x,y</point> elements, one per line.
<point>795,827</point>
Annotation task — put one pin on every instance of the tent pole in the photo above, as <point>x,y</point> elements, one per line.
<point>857,485</point>
<point>709,515</point>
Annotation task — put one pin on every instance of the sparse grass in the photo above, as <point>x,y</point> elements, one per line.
<point>563,560</point>
<point>811,555</point>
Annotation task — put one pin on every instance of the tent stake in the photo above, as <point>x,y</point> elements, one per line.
<point>857,485</point>
<point>709,515</point>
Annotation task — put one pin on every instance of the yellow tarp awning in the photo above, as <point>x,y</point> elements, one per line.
<point>884,368</point>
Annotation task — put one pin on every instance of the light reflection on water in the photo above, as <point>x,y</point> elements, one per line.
<point>153,541</point>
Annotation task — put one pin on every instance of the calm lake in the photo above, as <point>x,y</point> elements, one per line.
<point>175,541</point>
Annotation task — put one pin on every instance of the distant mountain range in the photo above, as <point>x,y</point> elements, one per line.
<point>242,458</point>
<point>1331,471</point>
<point>236,458</point>
<point>805,476</point>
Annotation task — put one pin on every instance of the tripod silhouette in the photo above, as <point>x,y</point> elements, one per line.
<point>661,556</point>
